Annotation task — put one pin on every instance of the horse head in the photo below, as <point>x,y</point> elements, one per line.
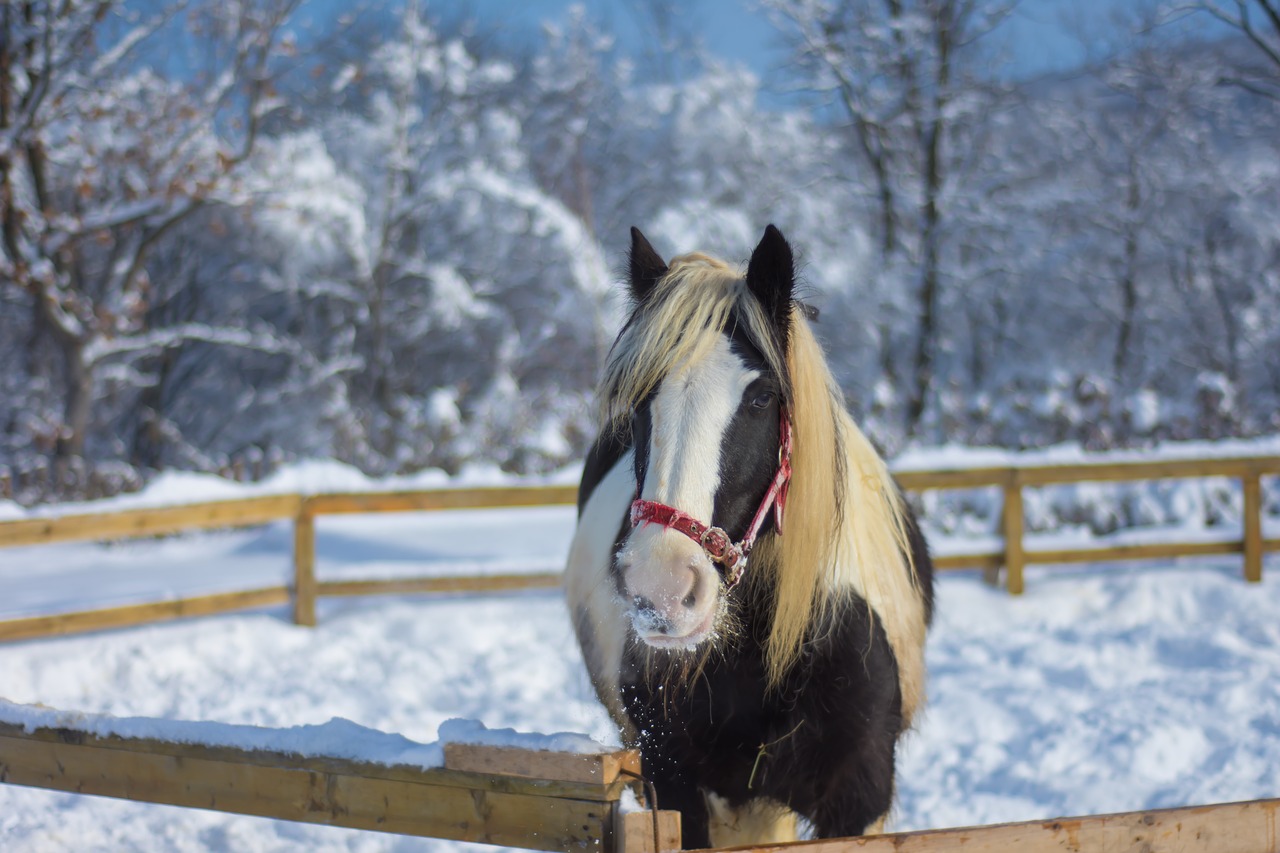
<point>698,379</point>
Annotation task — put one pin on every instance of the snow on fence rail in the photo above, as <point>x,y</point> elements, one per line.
<point>512,796</point>
<point>1011,555</point>
<point>507,795</point>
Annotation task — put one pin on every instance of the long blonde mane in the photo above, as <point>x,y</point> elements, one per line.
<point>845,525</point>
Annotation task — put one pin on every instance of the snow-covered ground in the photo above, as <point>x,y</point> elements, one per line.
<point>1103,688</point>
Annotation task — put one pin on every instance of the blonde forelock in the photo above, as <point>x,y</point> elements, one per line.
<point>676,325</point>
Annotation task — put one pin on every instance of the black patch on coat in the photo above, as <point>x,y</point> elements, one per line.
<point>822,744</point>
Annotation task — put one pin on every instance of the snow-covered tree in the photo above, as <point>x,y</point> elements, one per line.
<point>101,158</point>
<point>902,76</point>
<point>1258,22</point>
<point>477,292</point>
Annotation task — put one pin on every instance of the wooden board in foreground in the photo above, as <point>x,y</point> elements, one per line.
<point>638,831</point>
<point>1250,827</point>
<point>597,768</point>
<point>440,803</point>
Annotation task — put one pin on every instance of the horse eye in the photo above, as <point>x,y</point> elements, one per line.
<point>762,400</point>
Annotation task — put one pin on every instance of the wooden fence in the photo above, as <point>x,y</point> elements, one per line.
<point>490,795</point>
<point>535,800</point>
<point>516,800</point>
<point>1012,556</point>
<point>1012,480</point>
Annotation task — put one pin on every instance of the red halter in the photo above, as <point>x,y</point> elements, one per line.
<point>714,541</point>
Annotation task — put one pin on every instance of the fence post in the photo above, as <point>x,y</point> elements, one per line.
<point>304,566</point>
<point>638,832</point>
<point>1252,513</point>
<point>1014,557</point>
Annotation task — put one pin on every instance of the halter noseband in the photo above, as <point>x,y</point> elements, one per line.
<point>713,540</point>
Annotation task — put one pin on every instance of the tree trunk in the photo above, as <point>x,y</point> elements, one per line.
<point>1128,285</point>
<point>931,129</point>
<point>79,404</point>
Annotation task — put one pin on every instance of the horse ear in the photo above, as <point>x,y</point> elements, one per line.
<point>646,267</point>
<point>771,277</point>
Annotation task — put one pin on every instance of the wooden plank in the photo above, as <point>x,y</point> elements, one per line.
<point>325,764</point>
<point>304,569</point>
<point>1137,551</point>
<point>959,478</point>
<point>1011,515</point>
<point>458,583</point>
<point>1252,512</point>
<point>139,614</point>
<point>289,792</point>
<point>1228,828</point>
<point>636,831</point>
<point>148,522</point>
<point>487,497</point>
<point>600,769</point>
<point>1101,470</point>
<point>982,560</point>
<point>1104,471</point>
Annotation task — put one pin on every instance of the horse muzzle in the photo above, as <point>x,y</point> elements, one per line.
<point>672,590</point>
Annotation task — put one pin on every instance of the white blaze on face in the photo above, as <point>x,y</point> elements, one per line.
<point>672,585</point>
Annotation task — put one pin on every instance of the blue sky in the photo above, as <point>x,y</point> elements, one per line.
<point>1040,35</point>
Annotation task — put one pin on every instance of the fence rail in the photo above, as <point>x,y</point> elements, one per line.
<point>490,795</point>
<point>532,799</point>
<point>1012,556</point>
<point>1248,827</point>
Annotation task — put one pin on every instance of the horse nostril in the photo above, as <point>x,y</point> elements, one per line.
<point>690,600</point>
<point>648,618</point>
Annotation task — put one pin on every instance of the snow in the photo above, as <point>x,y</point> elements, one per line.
<point>1104,688</point>
<point>307,477</point>
<point>955,456</point>
<point>337,738</point>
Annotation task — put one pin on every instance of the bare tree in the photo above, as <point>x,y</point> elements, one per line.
<point>101,157</point>
<point>1259,22</point>
<point>903,74</point>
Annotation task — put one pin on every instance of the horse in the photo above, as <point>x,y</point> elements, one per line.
<point>749,590</point>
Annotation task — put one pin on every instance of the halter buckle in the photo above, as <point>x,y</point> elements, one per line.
<point>720,548</point>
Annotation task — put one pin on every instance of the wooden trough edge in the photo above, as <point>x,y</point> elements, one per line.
<point>536,800</point>
<point>1245,827</point>
<point>475,797</point>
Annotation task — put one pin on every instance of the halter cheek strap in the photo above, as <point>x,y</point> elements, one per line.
<point>713,540</point>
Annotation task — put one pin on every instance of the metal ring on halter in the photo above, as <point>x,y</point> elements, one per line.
<point>716,543</point>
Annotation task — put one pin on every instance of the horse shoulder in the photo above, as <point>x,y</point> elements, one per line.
<point>599,618</point>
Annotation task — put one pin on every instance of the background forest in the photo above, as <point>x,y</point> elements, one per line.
<point>237,233</point>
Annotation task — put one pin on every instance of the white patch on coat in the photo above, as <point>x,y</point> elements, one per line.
<point>589,585</point>
<point>690,414</point>
<point>760,821</point>
<point>667,570</point>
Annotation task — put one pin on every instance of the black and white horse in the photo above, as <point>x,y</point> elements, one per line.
<point>749,590</point>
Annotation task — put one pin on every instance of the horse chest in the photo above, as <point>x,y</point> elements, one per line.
<point>712,725</point>
<point>731,735</point>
